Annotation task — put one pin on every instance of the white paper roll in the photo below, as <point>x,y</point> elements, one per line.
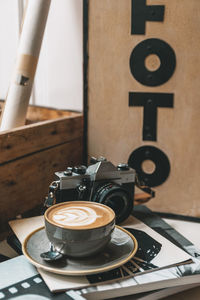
<point>19,92</point>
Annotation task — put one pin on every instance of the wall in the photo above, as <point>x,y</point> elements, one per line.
<point>58,81</point>
<point>115,126</point>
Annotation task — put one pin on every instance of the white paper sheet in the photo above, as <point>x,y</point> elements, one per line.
<point>169,254</point>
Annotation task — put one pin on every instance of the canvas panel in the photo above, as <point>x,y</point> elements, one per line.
<point>115,129</point>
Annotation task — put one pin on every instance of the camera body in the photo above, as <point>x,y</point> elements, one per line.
<point>100,182</point>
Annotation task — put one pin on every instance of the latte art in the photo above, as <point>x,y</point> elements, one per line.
<point>79,228</point>
<point>79,215</point>
<point>75,216</point>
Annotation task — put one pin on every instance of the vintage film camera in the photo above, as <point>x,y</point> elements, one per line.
<point>101,182</point>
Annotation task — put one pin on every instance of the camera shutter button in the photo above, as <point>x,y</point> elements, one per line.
<point>123,167</point>
<point>80,170</point>
<point>68,171</point>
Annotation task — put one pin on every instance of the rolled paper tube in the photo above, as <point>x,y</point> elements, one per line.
<point>19,92</point>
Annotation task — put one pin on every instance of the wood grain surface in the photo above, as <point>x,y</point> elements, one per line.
<point>29,156</point>
<point>39,136</point>
<point>192,294</point>
<point>24,183</point>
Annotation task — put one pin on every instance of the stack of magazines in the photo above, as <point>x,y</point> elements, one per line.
<point>166,262</point>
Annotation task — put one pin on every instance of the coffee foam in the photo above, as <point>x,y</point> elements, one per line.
<point>75,216</point>
<point>80,215</point>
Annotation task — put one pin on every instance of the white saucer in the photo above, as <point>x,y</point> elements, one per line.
<point>121,248</point>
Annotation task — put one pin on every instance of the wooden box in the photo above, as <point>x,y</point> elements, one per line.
<point>143,77</point>
<point>30,155</point>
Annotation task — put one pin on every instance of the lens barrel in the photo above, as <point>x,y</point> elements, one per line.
<point>116,197</point>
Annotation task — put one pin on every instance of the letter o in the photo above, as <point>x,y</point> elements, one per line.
<point>167,62</point>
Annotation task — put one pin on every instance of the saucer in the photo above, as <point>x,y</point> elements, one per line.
<point>120,249</point>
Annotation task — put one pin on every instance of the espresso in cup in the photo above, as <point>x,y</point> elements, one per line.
<point>79,228</point>
<point>80,215</point>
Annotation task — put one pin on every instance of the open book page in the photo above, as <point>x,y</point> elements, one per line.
<point>20,280</point>
<point>154,252</point>
<point>187,235</point>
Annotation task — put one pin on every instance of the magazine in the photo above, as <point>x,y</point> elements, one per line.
<point>155,294</point>
<point>154,252</point>
<point>172,277</point>
<point>158,294</point>
<point>20,280</point>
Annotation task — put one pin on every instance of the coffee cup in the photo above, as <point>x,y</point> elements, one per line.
<point>79,228</point>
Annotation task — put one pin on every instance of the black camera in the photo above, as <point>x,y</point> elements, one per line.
<point>100,182</point>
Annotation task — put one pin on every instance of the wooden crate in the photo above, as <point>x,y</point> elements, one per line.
<point>116,97</point>
<point>29,156</point>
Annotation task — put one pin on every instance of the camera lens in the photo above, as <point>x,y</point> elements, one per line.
<point>115,197</point>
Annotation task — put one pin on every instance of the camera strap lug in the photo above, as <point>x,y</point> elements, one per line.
<point>81,190</point>
<point>147,194</point>
<point>51,198</point>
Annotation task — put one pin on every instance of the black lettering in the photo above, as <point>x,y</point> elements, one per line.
<point>150,102</point>
<point>167,62</point>
<point>142,13</point>
<point>160,160</point>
